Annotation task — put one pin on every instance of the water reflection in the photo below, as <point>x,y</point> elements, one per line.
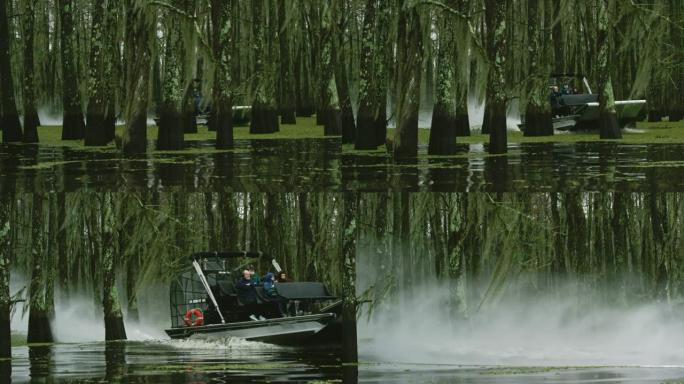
<point>182,363</point>
<point>254,165</point>
<point>584,166</point>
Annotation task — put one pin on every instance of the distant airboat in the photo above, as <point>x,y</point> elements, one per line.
<point>576,107</point>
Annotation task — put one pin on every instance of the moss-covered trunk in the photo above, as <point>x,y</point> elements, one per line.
<point>365,136</point>
<point>31,120</point>
<point>73,125</point>
<point>443,128</point>
<point>5,303</point>
<point>113,317</point>
<point>9,117</point>
<point>409,74</point>
<point>264,106</point>
<point>348,260</point>
<point>609,127</point>
<point>288,98</point>
<point>39,330</point>
<point>538,110</point>
<point>139,30</point>
<point>495,111</point>
<point>96,133</point>
<point>171,118</point>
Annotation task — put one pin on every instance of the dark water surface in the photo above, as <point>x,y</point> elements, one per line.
<point>253,166</point>
<point>584,166</point>
<point>200,362</point>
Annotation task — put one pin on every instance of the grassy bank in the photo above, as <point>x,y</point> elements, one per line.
<point>18,339</point>
<point>645,133</point>
<point>305,128</point>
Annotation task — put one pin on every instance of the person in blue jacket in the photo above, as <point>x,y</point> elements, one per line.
<point>245,289</point>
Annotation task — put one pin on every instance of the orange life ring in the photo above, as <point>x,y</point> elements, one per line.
<point>199,317</point>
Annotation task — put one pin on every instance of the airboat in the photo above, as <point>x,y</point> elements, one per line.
<point>577,107</point>
<point>205,304</point>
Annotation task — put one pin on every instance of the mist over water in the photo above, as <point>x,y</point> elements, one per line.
<point>549,329</point>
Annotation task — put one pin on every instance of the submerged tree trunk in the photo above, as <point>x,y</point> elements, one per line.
<point>221,43</point>
<point>409,73</point>
<point>496,98</point>
<point>31,120</point>
<point>113,318</point>
<point>139,30</point>
<point>264,107</point>
<point>39,330</point>
<point>538,111</point>
<point>96,131</point>
<point>73,125</point>
<point>348,259</point>
<point>9,117</point>
<point>347,125</point>
<point>366,137</point>
<point>608,121</point>
<point>288,96</point>
<point>5,299</point>
<point>443,127</point>
<point>171,119</point>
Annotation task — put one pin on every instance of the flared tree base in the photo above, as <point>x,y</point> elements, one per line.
<point>114,327</point>
<point>462,124</point>
<point>676,114</point>
<point>654,115</point>
<point>31,124</point>
<point>365,133</point>
<point>332,122</point>
<point>136,143</point>
<point>39,330</point>
<point>498,131</point>
<point>5,335</point>
<point>442,132</point>
<point>11,128</point>
<point>96,131</point>
<point>609,126</point>
<point>288,116</point>
<point>264,120</point>
<point>171,131</point>
<point>73,126</point>
<point>224,129</point>
<point>538,122</point>
<point>348,126</point>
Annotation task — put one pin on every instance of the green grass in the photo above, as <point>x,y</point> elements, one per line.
<point>305,128</point>
<point>660,132</point>
<point>18,340</point>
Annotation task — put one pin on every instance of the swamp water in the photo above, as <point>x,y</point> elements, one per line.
<point>582,166</point>
<point>252,166</point>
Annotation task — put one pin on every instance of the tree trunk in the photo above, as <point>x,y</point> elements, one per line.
<point>96,132</point>
<point>171,117</point>
<point>5,303</point>
<point>264,107</point>
<point>139,31</point>
<point>31,120</point>
<point>113,318</point>
<point>443,128</point>
<point>538,110</point>
<point>222,113</point>
<point>287,97</point>
<point>409,73</point>
<point>496,98</point>
<point>608,121</point>
<point>9,117</point>
<point>39,330</point>
<point>347,125</point>
<point>366,136</point>
<point>348,259</point>
<point>73,126</point>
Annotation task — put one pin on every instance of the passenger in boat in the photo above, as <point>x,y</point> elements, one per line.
<point>245,289</point>
<point>272,293</point>
<point>269,286</point>
<point>256,279</point>
<point>281,277</point>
